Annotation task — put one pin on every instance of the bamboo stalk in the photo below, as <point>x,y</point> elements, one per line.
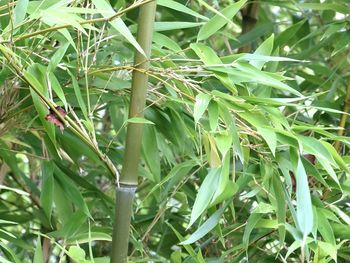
<point>344,117</point>
<point>128,182</point>
<point>249,20</point>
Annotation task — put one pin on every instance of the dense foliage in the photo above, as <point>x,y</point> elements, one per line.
<point>244,155</point>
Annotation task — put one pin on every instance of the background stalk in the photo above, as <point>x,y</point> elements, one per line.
<point>128,181</point>
<point>249,19</point>
<point>344,117</point>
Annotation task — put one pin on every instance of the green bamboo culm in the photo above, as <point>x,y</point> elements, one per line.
<point>128,181</point>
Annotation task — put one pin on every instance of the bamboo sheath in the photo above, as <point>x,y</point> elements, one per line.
<point>128,181</point>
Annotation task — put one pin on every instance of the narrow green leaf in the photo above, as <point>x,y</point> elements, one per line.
<point>325,228</point>
<point>224,177</point>
<point>217,22</point>
<point>337,158</point>
<point>53,17</point>
<point>295,245</point>
<point>15,190</point>
<point>57,57</point>
<point>10,254</point>
<point>188,248</point>
<point>76,253</point>
<point>206,54</point>
<point>201,104</point>
<point>315,147</point>
<point>251,223</point>
<point>283,38</point>
<point>40,108</point>
<point>280,207</point>
<point>64,32</point>
<point>342,43</point>
<point>38,255</point>
<point>139,120</point>
<point>56,86</point>
<point>117,23</point>
<point>166,26</point>
<point>340,213</point>
<point>47,188</point>
<point>20,11</point>
<point>341,8</point>
<point>270,137</point>
<point>224,142</point>
<point>205,228</point>
<point>164,41</point>
<point>209,57</point>
<point>230,122</point>
<point>205,194</point>
<point>304,205</point>
<point>328,249</point>
<point>63,206</point>
<point>71,190</point>
<point>150,151</point>
<point>180,7</point>
<point>88,237</point>
<point>78,95</point>
<point>242,72</point>
<point>264,49</point>
<point>257,58</point>
<point>213,112</point>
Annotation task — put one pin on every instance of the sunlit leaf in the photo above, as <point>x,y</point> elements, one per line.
<point>217,22</point>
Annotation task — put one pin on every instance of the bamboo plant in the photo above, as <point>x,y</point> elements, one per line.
<point>126,187</point>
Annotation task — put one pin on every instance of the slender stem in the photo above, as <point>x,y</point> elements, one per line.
<point>344,117</point>
<point>90,21</point>
<point>129,175</point>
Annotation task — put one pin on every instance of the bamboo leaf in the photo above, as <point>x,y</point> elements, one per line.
<point>117,23</point>
<point>325,6</point>
<point>325,228</point>
<point>205,194</point>
<point>76,253</point>
<point>38,256</point>
<point>217,22</point>
<point>79,96</point>
<point>47,188</point>
<point>179,7</point>
<point>213,112</point>
<point>55,84</point>
<point>280,207</point>
<point>57,57</point>
<point>251,223</point>
<point>164,41</point>
<point>264,49</point>
<point>329,249</point>
<point>40,108</point>
<point>205,228</point>
<point>19,12</point>
<point>200,106</point>
<point>139,120</point>
<point>304,206</point>
<point>166,26</point>
<point>270,138</point>
<point>71,190</point>
<point>150,151</point>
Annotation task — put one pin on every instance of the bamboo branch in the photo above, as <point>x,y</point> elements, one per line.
<point>65,119</point>
<point>344,117</point>
<point>90,21</point>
